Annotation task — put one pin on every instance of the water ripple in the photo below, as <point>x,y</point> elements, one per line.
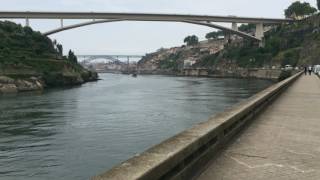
<point>74,133</point>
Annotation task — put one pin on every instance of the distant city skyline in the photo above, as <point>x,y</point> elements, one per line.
<point>139,37</point>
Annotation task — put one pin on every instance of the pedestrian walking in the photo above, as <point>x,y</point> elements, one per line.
<point>305,70</point>
<point>310,70</point>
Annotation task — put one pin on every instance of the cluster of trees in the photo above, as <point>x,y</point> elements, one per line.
<point>247,27</point>
<point>296,9</point>
<point>72,57</point>
<point>300,9</point>
<point>214,34</point>
<point>194,40</point>
<point>191,40</point>
<point>283,44</point>
<point>22,43</point>
<point>58,47</point>
<point>244,28</point>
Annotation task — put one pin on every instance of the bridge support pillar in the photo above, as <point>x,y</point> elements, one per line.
<point>234,26</point>
<point>27,22</point>
<point>259,31</point>
<point>61,23</point>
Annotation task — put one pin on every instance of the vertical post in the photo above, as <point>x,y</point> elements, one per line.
<point>27,22</point>
<point>226,37</point>
<point>61,23</point>
<point>259,31</point>
<point>128,64</point>
<point>234,26</point>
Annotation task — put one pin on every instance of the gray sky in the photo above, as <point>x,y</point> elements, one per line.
<point>139,37</point>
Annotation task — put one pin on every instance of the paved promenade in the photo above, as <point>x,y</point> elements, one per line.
<point>282,143</point>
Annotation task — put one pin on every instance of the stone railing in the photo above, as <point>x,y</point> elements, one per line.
<point>183,155</point>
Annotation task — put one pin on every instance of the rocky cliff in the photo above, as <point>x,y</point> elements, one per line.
<point>30,61</point>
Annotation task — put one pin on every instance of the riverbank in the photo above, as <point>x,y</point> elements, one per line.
<point>242,73</point>
<point>36,75</point>
<point>10,85</point>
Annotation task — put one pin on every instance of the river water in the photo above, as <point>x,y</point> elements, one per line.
<point>75,133</point>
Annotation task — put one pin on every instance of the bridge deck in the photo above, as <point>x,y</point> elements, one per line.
<point>282,143</point>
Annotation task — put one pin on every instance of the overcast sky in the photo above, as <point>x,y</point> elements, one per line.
<point>139,37</point>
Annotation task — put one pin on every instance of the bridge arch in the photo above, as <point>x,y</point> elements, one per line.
<point>208,24</point>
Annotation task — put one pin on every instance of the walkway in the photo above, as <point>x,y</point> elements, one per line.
<point>283,143</point>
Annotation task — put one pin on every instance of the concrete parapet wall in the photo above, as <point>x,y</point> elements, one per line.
<point>272,74</point>
<point>195,72</point>
<point>248,73</point>
<point>182,155</point>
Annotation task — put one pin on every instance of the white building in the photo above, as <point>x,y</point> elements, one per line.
<point>187,63</point>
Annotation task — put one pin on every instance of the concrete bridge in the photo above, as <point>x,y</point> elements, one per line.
<point>105,17</point>
<point>273,135</point>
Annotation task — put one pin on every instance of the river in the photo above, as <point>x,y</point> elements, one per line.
<point>75,133</point>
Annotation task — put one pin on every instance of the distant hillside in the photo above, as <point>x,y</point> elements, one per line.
<point>172,60</point>
<point>297,44</point>
<point>26,54</point>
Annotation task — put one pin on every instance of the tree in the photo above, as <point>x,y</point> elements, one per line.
<point>214,34</point>
<point>297,9</point>
<point>72,57</point>
<point>247,28</point>
<point>54,42</point>
<point>191,40</point>
<point>60,49</point>
<point>6,52</point>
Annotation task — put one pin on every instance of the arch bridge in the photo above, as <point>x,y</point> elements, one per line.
<point>106,17</point>
<point>113,58</point>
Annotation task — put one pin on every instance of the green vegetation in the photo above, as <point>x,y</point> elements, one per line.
<point>208,60</point>
<point>170,62</point>
<point>297,9</point>
<point>72,57</point>
<point>191,40</point>
<point>295,44</point>
<point>25,53</point>
<point>19,42</point>
<point>247,28</point>
<point>214,34</point>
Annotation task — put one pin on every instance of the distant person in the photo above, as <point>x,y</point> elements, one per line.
<point>305,70</point>
<point>310,70</point>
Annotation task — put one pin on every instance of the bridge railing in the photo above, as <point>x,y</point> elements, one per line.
<point>183,155</point>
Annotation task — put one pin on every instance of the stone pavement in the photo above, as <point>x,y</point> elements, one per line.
<point>282,143</point>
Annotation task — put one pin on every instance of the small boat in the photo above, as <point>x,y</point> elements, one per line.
<point>134,75</point>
